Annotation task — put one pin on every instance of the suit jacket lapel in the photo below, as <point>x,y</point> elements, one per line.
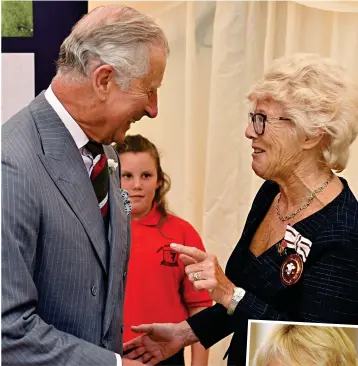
<point>63,162</point>
<point>119,249</point>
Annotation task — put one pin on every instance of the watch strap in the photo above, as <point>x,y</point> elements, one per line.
<point>239,293</point>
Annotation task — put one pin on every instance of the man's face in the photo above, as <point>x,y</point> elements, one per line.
<point>123,107</point>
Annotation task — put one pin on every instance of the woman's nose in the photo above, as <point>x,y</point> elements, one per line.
<point>250,131</point>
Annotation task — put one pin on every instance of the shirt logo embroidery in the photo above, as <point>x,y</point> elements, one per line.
<point>170,257</point>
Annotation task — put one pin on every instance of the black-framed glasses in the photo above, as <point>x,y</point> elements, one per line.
<point>259,121</point>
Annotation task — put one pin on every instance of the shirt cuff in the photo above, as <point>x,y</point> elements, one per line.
<point>119,359</point>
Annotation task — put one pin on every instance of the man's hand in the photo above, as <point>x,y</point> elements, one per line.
<point>131,362</point>
<point>160,342</point>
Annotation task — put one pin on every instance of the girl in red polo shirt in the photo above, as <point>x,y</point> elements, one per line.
<point>157,290</point>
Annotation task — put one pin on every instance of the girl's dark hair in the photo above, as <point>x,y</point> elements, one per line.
<point>138,143</point>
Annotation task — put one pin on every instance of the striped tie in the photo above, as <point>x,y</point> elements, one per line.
<point>100,178</point>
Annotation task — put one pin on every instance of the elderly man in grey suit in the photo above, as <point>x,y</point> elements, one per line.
<point>65,224</point>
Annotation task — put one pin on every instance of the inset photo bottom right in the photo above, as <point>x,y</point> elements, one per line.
<point>272,343</point>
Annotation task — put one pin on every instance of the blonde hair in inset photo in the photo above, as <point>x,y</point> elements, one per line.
<point>306,345</point>
<point>318,96</point>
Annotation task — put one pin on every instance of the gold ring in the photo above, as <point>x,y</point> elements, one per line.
<point>196,276</point>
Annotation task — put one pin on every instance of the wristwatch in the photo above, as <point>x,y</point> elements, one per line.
<point>239,293</point>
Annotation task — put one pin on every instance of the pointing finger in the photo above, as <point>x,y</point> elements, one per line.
<point>195,253</point>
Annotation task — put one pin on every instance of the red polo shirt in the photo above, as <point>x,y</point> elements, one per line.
<point>157,290</point>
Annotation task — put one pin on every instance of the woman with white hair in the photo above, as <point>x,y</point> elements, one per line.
<point>297,258</point>
<point>302,345</point>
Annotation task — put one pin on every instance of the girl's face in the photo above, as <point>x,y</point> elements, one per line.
<point>140,179</point>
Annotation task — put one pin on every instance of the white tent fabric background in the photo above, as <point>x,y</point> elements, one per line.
<point>218,49</point>
<point>16,92</point>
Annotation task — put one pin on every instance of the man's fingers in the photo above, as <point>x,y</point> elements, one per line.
<point>186,260</point>
<point>195,253</point>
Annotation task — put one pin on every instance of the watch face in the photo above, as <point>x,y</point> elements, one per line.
<point>238,294</point>
<point>236,298</point>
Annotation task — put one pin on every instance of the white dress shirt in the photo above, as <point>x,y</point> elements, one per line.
<point>73,128</point>
<point>80,139</point>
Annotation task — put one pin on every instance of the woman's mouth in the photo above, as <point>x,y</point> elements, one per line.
<point>258,151</point>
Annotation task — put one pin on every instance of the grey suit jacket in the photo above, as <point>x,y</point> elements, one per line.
<point>63,278</point>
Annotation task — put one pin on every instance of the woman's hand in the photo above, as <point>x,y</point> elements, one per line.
<point>159,342</point>
<point>204,271</point>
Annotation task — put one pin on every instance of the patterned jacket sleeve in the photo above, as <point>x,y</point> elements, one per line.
<point>328,291</point>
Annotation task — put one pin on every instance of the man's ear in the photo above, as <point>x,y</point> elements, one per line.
<point>102,80</point>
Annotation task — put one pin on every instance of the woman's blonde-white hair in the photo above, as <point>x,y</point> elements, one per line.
<point>307,345</point>
<point>318,95</point>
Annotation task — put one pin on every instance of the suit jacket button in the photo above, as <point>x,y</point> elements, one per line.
<point>124,274</point>
<point>94,290</point>
<point>105,343</point>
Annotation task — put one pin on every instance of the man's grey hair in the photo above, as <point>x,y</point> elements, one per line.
<point>113,35</point>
